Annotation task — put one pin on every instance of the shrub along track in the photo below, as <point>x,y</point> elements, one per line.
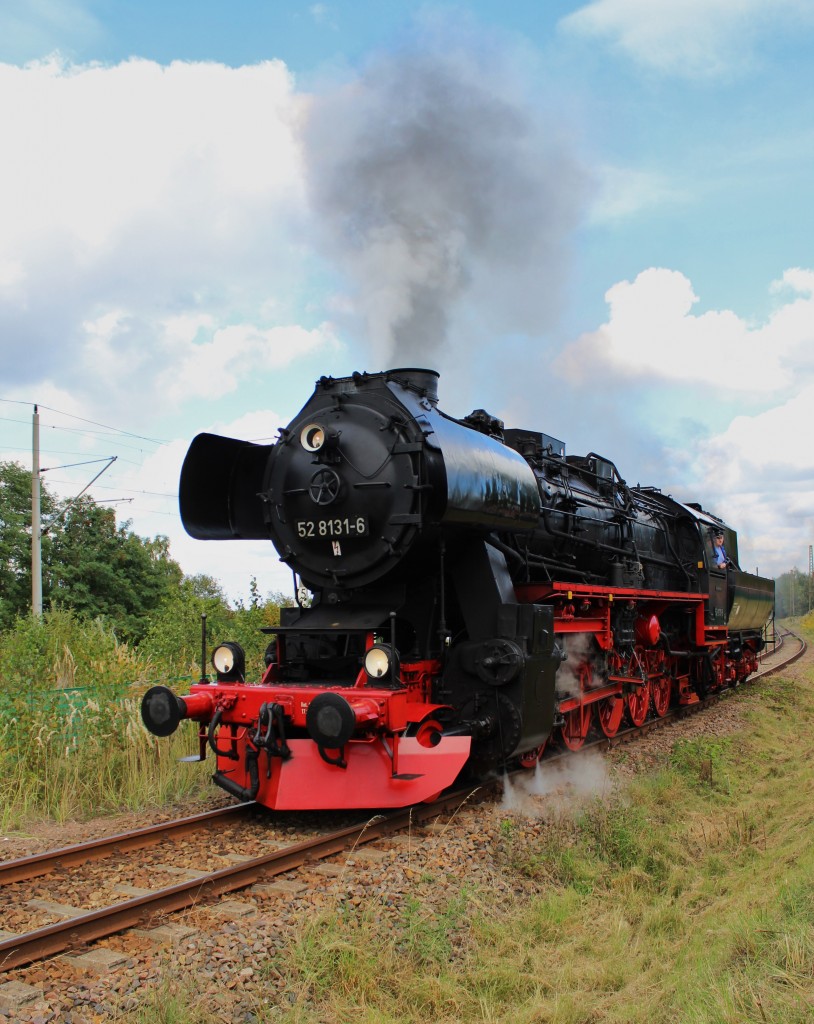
<point>209,840</point>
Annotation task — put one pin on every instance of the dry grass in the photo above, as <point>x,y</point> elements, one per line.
<point>94,759</point>
<point>690,902</point>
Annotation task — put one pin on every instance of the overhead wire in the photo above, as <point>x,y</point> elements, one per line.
<point>107,434</point>
<point>83,419</point>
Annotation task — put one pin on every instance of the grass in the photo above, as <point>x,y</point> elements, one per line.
<point>686,898</point>
<point>71,740</point>
<point>176,1000</point>
<point>95,759</point>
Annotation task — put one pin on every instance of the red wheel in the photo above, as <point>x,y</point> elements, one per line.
<point>575,728</point>
<point>609,713</point>
<point>531,757</point>
<point>576,724</point>
<point>661,688</point>
<point>638,703</point>
<point>429,733</point>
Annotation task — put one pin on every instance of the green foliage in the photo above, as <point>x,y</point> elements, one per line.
<point>704,763</point>
<point>89,756</point>
<point>88,563</point>
<point>71,739</point>
<point>173,637</point>
<point>99,572</point>
<point>15,539</point>
<point>427,934</point>
<point>177,1000</point>
<point>99,569</point>
<point>794,594</point>
<point>329,960</point>
<point>64,649</point>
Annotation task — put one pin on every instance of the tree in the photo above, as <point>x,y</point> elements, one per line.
<point>793,594</point>
<point>174,636</point>
<point>89,564</point>
<point>15,539</point>
<point>173,639</point>
<point>99,569</point>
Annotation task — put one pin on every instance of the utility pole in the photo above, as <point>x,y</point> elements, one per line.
<point>810,572</point>
<point>36,526</point>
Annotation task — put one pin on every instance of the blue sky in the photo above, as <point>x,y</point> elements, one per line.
<point>593,218</point>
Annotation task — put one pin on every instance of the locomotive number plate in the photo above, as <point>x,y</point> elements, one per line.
<point>356,526</point>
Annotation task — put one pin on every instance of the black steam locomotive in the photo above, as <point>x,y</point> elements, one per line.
<point>467,593</point>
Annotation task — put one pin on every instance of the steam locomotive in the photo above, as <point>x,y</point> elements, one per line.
<point>467,594</point>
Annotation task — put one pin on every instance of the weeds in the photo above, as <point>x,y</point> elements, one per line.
<point>174,1001</point>
<point>690,899</point>
<point>704,763</point>
<point>345,956</point>
<point>96,759</point>
<point>71,740</point>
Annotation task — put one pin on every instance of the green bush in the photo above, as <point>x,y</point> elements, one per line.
<point>71,738</point>
<point>63,649</point>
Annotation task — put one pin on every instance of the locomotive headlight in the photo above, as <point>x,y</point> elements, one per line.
<point>380,661</point>
<point>229,661</point>
<point>312,437</point>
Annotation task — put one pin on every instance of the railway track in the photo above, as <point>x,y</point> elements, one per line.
<point>79,927</point>
<point>25,868</point>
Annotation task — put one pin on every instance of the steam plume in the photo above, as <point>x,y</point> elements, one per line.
<point>435,180</point>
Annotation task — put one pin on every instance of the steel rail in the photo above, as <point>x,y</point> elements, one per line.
<point>771,669</point>
<point>54,939</point>
<point>23,868</point>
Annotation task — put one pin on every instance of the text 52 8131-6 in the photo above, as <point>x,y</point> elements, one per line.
<point>355,526</point>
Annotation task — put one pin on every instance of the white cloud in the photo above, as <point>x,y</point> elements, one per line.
<point>213,368</point>
<point>687,37</point>
<point>152,252</point>
<point>759,474</point>
<point>652,333</point>
<point>94,148</point>
<point>772,444</point>
<point>143,206</point>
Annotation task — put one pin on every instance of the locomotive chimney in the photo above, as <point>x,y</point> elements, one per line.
<point>424,381</point>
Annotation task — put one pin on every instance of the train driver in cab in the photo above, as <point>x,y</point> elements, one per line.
<point>719,555</point>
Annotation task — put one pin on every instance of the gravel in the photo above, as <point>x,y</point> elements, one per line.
<point>234,955</point>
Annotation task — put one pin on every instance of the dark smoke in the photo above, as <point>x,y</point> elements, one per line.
<point>436,182</point>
